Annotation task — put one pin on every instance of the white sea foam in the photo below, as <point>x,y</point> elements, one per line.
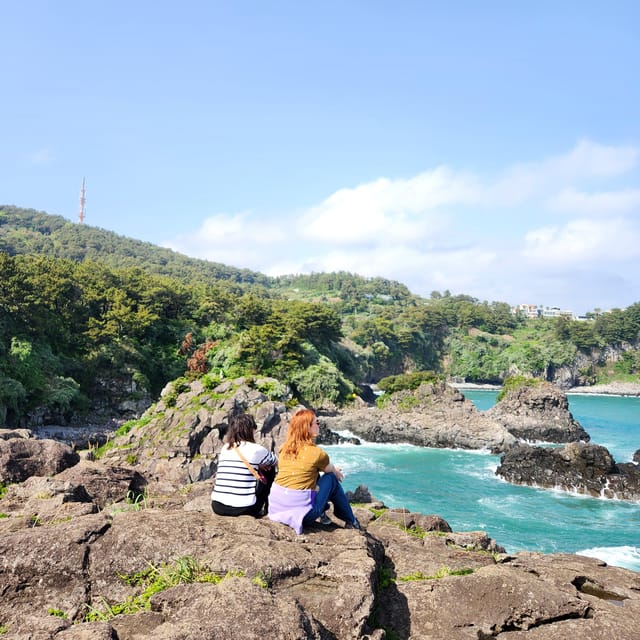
<point>384,446</point>
<point>625,556</point>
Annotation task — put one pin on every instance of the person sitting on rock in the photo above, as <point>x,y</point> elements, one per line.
<point>300,495</point>
<point>237,491</point>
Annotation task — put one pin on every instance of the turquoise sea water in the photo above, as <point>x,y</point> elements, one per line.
<point>462,487</point>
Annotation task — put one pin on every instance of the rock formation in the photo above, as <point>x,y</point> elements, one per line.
<point>438,415</point>
<point>432,416</point>
<point>22,457</point>
<point>166,567</point>
<point>578,466</point>
<point>538,413</point>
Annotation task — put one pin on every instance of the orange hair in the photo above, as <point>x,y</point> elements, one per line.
<point>298,434</point>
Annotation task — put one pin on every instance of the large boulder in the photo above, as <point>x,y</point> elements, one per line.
<point>578,466</point>
<point>319,583</point>
<point>538,413</point>
<point>21,458</point>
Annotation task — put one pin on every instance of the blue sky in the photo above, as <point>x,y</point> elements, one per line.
<point>485,148</point>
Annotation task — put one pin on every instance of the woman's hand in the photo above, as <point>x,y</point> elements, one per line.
<point>337,471</point>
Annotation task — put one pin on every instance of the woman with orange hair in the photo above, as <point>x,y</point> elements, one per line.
<point>300,495</point>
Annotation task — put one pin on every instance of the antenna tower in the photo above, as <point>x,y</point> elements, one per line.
<point>83,200</point>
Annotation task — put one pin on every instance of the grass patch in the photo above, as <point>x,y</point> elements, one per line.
<point>98,452</point>
<point>185,570</point>
<point>133,502</point>
<point>263,579</point>
<point>442,572</point>
<point>516,382</point>
<point>35,520</point>
<point>408,402</point>
<point>385,578</point>
<point>3,629</point>
<point>57,613</point>
<point>376,512</point>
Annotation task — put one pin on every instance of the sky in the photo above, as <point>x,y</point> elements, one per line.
<point>490,148</point>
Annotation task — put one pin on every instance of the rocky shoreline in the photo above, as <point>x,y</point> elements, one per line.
<point>610,389</point>
<point>85,539</point>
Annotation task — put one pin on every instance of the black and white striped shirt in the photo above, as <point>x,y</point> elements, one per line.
<point>235,485</point>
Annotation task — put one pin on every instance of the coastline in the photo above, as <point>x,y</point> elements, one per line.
<point>625,389</point>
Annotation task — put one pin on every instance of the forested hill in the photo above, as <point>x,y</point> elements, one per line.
<point>89,318</point>
<point>31,232</point>
<point>26,231</point>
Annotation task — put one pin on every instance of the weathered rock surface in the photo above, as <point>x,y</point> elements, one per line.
<point>79,544</point>
<point>178,439</point>
<point>578,466</point>
<point>538,413</point>
<point>22,457</point>
<point>408,574</point>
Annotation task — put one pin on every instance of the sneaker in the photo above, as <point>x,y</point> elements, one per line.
<point>354,525</point>
<point>325,519</point>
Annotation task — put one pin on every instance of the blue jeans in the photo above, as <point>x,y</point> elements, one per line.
<point>330,490</point>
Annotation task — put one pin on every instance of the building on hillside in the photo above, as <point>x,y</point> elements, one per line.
<point>534,311</point>
<point>557,312</point>
<point>526,310</point>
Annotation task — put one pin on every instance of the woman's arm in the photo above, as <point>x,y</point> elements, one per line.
<point>337,471</point>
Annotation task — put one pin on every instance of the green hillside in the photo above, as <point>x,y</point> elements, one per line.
<point>90,319</point>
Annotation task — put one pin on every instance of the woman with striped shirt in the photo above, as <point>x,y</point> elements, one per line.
<point>234,492</point>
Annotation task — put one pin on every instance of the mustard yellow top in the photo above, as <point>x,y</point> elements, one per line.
<point>302,472</point>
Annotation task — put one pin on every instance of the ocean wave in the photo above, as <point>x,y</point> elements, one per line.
<point>625,556</point>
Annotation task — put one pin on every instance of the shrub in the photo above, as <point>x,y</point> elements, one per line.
<point>322,382</point>
<point>409,381</point>
<point>516,382</point>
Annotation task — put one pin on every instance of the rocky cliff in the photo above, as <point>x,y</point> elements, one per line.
<point>538,413</point>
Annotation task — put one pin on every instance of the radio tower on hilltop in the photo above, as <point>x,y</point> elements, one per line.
<point>83,201</point>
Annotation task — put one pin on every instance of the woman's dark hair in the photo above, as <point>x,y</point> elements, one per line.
<point>241,429</point>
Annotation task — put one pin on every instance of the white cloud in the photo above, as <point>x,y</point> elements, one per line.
<point>242,240</point>
<point>612,203</point>
<point>592,160</point>
<point>445,229</point>
<point>584,163</point>
<point>584,242</point>
<point>390,210</point>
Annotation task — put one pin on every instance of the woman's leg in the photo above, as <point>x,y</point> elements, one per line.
<point>341,507</point>
<point>330,490</point>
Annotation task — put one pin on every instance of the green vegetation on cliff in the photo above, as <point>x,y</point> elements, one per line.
<point>89,318</point>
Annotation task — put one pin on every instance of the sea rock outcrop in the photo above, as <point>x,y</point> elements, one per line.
<point>538,413</point>
<point>434,415</point>
<point>580,467</point>
<point>438,415</point>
